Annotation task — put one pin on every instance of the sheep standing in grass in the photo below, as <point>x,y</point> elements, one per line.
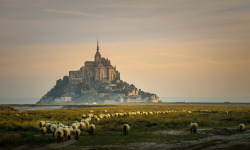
<point>242,127</point>
<point>41,123</point>
<point>66,133</point>
<point>43,130</point>
<point>91,129</point>
<point>77,133</point>
<point>193,127</point>
<point>47,126</point>
<point>59,135</point>
<point>126,129</point>
<point>82,125</point>
<point>86,122</point>
<point>74,126</point>
<point>53,128</point>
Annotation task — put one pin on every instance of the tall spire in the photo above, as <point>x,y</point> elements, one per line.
<point>97,45</point>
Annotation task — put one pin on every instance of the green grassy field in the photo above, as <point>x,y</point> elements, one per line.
<point>20,127</point>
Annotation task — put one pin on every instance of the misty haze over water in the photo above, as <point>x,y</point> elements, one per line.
<point>164,99</point>
<point>206,99</point>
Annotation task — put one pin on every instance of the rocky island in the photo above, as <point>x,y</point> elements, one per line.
<point>97,82</point>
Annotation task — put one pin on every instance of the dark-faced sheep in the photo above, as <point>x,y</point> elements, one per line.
<point>66,133</point>
<point>43,130</point>
<point>53,128</point>
<point>242,127</point>
<point>41,123</point>
<point>91,129</point>
<point>59,135</point>
<point>77,133</point>
<point>126,129</point>
<point>193,127</point>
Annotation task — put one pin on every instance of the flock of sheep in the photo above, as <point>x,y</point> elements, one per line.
<point>63,133</point>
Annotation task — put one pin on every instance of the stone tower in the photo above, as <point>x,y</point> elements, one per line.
<point>97,54</point>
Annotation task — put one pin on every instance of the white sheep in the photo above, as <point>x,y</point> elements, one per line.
<point>82,124</point>
<point>47,126</point>
<point>84,115</point>
<point>193,127</point>
<point>86,122</point>
<point>77,133</point>
<point>91,129</point>
<point>66,133</point>
<point>74,126</point>
<point>43,130</point>
<point>242,127</point>
<point>41,123</point>
<point>61,125</point>
<point>126,129</point>
<point>59,135</point>
<point>97,119</point>
<point>53,128</point>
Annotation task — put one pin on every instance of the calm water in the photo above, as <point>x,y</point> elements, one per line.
<point>18,100</point>
<point>206,99</point>
<point>164,99</point>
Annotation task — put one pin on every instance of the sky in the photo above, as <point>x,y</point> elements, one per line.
<point>174,48</point>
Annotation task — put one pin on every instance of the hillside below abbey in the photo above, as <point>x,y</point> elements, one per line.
<point>96,82</point>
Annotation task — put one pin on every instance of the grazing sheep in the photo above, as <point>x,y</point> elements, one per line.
<point>77,133</point>
<point>91,111</point>
<point>91,129</point>
<point>59,135</point>
<point>82,124</point>
<point>61,125</point>
<point>41,123</point>
<point>105,111</point>
<point>53,128</point>
<point>193,127</point>
<point>47,126</point>
<point>89,115</point>
<point>242,127</point>
<point>74,126</point>
<point>126,129</point>
<point>97,119</point>
<point>66,134</point>
<point>78,124</point>
<point>86,122</point>
<point>43,130</point>
<point>84,116</point>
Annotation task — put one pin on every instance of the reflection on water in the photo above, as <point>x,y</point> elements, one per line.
<point>37,108</point>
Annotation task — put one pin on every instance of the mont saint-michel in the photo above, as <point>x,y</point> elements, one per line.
<point>97,82</point>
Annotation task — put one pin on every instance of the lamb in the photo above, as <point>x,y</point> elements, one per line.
<point>77,133</point>
<point>242,127</point>
<point>53,128</point>
<point>59,135</point>
<point>43,130</point>
<point>126,129</point>
<point>193,127</point>
<point>91,129</point>
<point>41,123</point>
<point>66,134</point>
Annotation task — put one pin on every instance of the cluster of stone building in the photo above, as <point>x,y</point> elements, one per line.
<point>101,70</point>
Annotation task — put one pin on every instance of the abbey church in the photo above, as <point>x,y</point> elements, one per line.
<point>100,69</point>
<point>96,82</point>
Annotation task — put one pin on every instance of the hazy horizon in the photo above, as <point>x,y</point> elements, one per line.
<point>170,48</point>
